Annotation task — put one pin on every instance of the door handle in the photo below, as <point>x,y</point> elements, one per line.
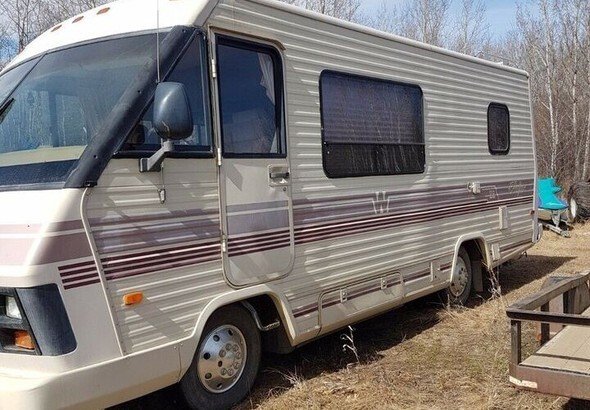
<point>278,175</point>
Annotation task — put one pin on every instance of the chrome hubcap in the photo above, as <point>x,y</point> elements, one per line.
<point>222,358</point>
<point>460,278</point>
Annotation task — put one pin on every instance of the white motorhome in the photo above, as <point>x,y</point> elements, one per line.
<point>188,185</point>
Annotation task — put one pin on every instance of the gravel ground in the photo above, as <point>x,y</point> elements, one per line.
<point>423,355</point>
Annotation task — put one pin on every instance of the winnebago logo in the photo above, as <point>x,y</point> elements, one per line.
<point>518,188</point>
<point>381,203</point>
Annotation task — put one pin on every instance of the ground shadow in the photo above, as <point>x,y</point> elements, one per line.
<point>576,404</point>
<point>326,355</point>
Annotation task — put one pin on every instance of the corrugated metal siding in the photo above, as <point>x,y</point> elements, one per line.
<point>456,97</point>
<point>170,251</point>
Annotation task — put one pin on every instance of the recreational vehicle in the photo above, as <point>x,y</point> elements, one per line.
<point>189,184</point>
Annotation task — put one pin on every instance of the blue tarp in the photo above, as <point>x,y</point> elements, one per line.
<point>547,189</point>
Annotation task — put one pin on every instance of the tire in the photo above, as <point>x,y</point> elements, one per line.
<point>230,344</point>
<point>573,210</point>
<point>461,281</point>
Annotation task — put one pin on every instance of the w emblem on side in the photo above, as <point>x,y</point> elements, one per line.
<point>381,203</point>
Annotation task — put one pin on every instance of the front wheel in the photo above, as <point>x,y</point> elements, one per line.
<point>226,362</point>
<point>461,281</point>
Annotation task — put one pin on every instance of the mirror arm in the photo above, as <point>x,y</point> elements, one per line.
<point>154,163</point>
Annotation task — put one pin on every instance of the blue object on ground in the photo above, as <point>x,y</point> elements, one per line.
<point>547,189</point>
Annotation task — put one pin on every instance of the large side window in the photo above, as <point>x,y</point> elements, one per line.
<point>191,70</point>
<point>498,129</point>
<point>250,99</point>
<point>370,126</point>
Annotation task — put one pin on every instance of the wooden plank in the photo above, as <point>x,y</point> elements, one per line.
<point>544,296</point>
<point>569,350</point>
<point>544,326</point>
<point>516,338</point>
<point>548,317</point>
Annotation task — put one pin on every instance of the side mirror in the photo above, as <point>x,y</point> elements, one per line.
<point>172,112</point>
<point>172,121</point>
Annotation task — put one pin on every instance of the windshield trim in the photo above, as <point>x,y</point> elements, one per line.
<point>129,109</point>
<point>15,86</point>
<point>126,112</point>
<point>96,40</point>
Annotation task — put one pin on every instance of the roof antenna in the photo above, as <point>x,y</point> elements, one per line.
<point>158,39</point>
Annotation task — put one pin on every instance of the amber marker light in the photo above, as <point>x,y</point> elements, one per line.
<point>23,339</point>
<point>134,298</point>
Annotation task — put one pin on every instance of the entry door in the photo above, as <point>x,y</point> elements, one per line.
<point>255,176</point>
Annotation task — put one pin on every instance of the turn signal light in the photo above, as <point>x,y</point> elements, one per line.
<point>134,298</point>
<point>23,339</point>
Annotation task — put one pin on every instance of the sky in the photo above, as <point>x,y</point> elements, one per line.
<point>501,13</point>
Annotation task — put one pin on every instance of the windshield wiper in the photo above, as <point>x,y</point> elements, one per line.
<point>5,108</point>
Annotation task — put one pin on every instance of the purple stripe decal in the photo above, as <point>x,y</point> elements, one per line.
<point>159,256</point>
<point>269,248</point>
<point>518,187</point>
<point>79,284</point>
<point>197,261</point>
<point>77,271</point>
<point>159,251</point>
<point>76,265</point>
<point>366,225</point>
<point>162,262</point>
<point>120,220</point>
<point>365,290</point>
<point>252,238</point>
<point>79,278</point>
<point>59,248</point>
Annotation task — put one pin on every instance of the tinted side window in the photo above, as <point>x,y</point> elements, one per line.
<point>250,98</point>
<point>370,126</point>
<point>192,72</point>
<point>498,129</point>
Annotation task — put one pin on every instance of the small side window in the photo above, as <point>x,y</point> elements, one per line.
<point>498,129</point>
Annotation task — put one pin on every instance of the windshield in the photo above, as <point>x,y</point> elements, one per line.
<point>51,107</point>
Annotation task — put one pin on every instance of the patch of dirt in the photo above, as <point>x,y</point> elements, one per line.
<point>424,355</point>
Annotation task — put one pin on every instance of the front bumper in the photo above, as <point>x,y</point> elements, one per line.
<point>97,386</point>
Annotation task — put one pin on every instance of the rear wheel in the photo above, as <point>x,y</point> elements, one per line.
<point>461,281</point>
<point>226,363</point>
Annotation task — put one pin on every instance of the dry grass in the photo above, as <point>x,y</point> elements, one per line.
<point>422,356</point>
<point>425,355</point>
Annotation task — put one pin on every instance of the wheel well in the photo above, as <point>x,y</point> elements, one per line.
<point>476,249</point>
<point>477,253</point>
<point>275,340</point>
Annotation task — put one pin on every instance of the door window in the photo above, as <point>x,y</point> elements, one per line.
<point>250,99</point>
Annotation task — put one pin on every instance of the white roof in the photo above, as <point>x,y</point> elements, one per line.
<point>128,16</point>
<point>119,17</point>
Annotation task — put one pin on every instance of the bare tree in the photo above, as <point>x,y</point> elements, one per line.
<point>425,20</point>
<point>472,31</point>
<point>342,9</point>
<point>385,19</point>
<point>22,17</point>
